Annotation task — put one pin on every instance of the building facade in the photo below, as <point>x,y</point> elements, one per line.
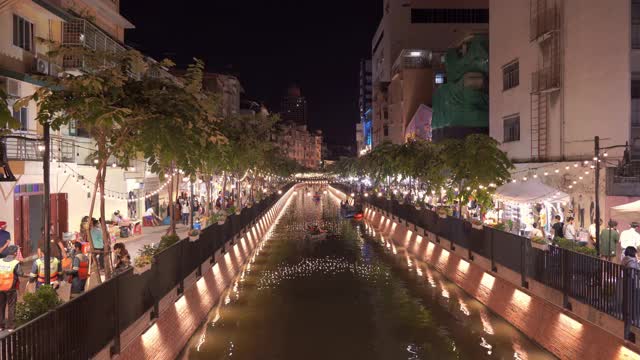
<point>364,126</point>
<point>568,74</point>
<point>229,89</point>
<point>300,144</point>
<point>293,107</point>
<point>422,25</point>
<point>23,59</point>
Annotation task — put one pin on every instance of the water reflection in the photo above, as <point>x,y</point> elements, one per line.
<point>353,295</point>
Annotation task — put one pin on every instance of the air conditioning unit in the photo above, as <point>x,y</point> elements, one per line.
<point>42,66</point>
<point>10,86</point>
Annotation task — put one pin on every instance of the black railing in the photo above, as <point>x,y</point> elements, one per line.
<point>84,326</point>
<point>605,286</point>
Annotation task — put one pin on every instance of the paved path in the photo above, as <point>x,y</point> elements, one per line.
<point>150,235</point>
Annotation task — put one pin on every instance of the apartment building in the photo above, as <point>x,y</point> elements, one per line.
<point>563,72</point>
<point>228,87</point>
<point>300,144</point>
<point>409,37</point>
<point>293,107</point>
<point>27,28</point>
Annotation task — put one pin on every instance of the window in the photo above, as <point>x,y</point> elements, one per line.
<point>22,33</point>
<point>512,128</point>
<point>385,113</point>
<point>440,78</point>
<point>511,75</point>
<point>386,130</point>
<point>21,117</point>
<point>451,16</point>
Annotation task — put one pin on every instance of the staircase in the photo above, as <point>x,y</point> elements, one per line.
<point>539,125</point>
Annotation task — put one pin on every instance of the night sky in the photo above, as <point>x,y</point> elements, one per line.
<point>269,45</point>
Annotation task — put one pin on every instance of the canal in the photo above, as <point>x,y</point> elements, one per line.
<point>349,296</point>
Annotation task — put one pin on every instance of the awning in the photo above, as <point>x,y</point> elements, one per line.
<point>627,212</point>
<point>527,192</point>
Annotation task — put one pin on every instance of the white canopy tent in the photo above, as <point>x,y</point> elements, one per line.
<point>528,192</point>
<point>629,212</point>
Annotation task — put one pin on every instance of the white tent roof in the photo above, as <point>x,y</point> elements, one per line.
<point>629,212</point>
<point>532,191</point>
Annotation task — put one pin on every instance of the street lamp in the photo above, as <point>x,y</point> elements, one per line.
<point>596,160</point>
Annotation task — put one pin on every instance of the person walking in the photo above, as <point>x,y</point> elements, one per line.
<point>569,230</point>
<point>558,227</point>
<point>185,213</point>
<point>630,237</point>
<point>98,242</point>
<point>79,271</point>
<point>5,239</point>
<point>609,239</point>
<point>10,272</point>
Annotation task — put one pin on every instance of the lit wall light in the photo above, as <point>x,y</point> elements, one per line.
<point>521,299</point>
<point>463,266</point>
<point>569,322</point>
<point>488,280</point>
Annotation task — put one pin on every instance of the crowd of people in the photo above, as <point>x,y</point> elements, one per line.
<point>614,245</point>
<point>68,264</point>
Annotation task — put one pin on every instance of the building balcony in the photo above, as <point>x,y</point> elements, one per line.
<point>546,80</point>
<point>32,149</point>
<point>82,33</point>
<point>543,22</point>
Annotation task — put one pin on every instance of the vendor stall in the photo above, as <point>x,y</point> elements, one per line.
<point>522,203</point>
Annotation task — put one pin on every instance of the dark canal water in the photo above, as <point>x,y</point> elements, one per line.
<point>348,297</point>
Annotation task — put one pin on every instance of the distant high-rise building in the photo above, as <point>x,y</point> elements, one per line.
<point>364,127</point>
<point>293,107</point>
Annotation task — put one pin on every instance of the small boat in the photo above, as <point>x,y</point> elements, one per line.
<point>358,216</point>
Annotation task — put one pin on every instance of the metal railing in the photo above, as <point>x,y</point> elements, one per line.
<point>82,33</point>
<point>545,79</point>
<point>603,285</point>
<point>32,149</point>
<point>84,326</point>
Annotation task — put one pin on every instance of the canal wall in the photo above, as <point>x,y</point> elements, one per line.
<point>180,316</point>
<point>584,333</point>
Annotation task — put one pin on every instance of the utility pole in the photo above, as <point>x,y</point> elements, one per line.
<point>596,158</point>
<point>46,210</point>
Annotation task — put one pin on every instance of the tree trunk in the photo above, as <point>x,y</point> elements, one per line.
<point>94,261</point>
<point>103,224</point>
<point>172,206</point>
<point>224,191</point>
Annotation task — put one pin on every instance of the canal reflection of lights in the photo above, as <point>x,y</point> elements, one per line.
<point>486,345</point>
<point>486,323</point>
<point>464,308</point>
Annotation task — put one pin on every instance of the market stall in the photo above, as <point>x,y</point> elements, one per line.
<point>520,204</point>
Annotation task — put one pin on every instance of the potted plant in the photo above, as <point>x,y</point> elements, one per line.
<point>442,212</point>
<point>499,226</point>
<point>144,260</point>
<point>477,224</point>
<point>539,243</point>
<point>194,232</point>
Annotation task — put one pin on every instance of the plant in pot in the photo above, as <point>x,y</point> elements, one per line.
<point>500,226</point>
<point>477,224</point>
<point>539,242</point>
<point>442,211</point>
<point>194,232</point>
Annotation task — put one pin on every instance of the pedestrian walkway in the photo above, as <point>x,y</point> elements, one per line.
<point>150,235</point>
